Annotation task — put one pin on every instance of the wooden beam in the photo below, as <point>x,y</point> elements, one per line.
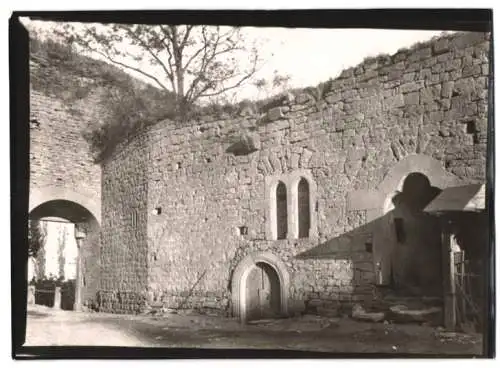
<point>449,296</point>
<point>77,306</point>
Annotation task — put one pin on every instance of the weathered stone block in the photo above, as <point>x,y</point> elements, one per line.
<point>294,160</point>
<point>368,76</point>
<point>275,163</point>
<point>429,94</point>
<point>471,70</point>
<point>274,114</point>
<point>467,39</point>
<point>333,97</point>
<point>347,74</point>
<point>425,74</point>
<point>412,98</point>
<point>451,65</point>
<point>393,102</point>
<point>411,86</point>
<point>447,89</point>
<point>441,46</point>
<point>420,54</point>
<point>305,158</point>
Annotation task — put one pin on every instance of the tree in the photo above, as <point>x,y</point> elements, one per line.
<point>36,238</point>
<point>62,249</point>
<point>193,62</point>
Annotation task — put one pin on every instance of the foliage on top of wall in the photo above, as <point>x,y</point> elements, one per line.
<point>130,105</point>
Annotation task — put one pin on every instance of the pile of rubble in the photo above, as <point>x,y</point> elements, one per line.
<point>399,314</point>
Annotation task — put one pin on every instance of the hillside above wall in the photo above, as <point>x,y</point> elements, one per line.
<point>98,94</point>
<point>70,97</point>
<point>58,70</point>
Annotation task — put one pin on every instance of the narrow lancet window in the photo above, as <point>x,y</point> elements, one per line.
<point>281,211</point>
<point>304,210</point>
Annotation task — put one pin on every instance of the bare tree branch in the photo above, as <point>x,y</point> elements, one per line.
<point>197,61</point>
<point>171,66</point>
<point>197,53</point>
<point>186,37</point>
<point>203,67</point>
<point>134,36</point>
<point>245,77</point>
<point>107,56</point>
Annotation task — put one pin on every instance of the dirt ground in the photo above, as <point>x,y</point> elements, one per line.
<point>188,330</point>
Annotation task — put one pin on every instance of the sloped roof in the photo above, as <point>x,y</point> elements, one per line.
<point>470,198</point>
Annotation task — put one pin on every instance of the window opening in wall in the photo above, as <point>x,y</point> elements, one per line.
<point>470,127</point>
<point>304,208</point>
<point>243,230</point>
<point>134,218</point>
<point>281,211</point>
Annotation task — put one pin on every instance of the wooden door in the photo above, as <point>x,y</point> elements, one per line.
<point>263,292</point>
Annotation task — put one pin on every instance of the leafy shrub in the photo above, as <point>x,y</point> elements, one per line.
<point>45,291</point>
<point>36,237</point>
<point>131,105</point>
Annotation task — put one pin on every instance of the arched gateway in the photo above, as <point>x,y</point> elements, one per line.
<point>74,207</point>
<point>260,287</point>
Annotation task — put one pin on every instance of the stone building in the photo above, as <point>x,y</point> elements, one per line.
<point>315,203</point>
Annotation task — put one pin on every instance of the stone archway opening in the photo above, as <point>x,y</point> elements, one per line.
<point>81,285</point>
<point>415,256</point>
<point>263,296</point>
<point>259,287</point>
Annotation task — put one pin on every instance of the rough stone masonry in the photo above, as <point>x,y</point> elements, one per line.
<point>186,217</point>
<point>65,181</point>
<point>175,199</point>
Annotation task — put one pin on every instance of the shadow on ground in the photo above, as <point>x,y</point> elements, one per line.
<point>306,333</point>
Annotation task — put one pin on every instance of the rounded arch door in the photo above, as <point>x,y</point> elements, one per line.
<point>262,292</point>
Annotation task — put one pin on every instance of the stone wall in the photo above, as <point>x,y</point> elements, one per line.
<point>62,171</point>
<point>430,101</point>
<point>124,231</point>
<point>206,195</point>
<point>69,94</point>
<point>59,155</point>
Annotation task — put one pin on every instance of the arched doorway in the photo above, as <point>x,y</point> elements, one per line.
<point>259,287</point>
<point>378,204</point>
<point>263,297</point>
<point>87,237</point>
<point>415,238</point>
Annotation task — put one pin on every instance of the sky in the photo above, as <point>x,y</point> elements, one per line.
<point>54,231</point>
<point>311,56</point>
